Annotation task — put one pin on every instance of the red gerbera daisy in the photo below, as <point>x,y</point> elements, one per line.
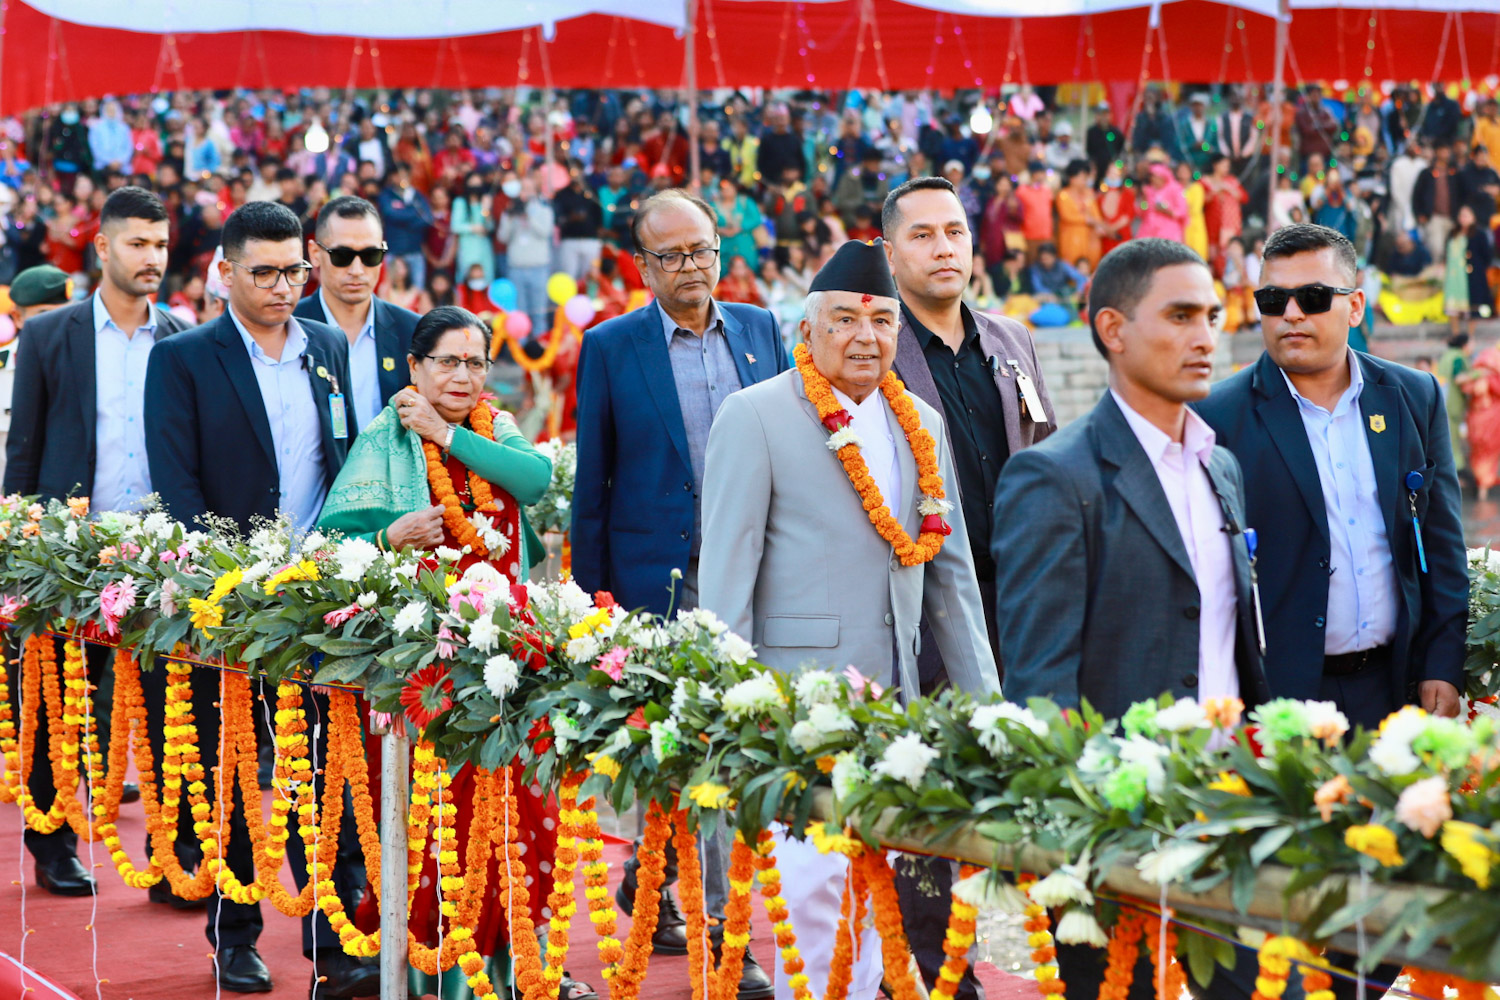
<point>637,719</point>
<point>428,694</point>
<point>541,742</point>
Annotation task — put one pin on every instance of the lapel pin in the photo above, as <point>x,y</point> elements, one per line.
<point>322,372</point>
<point>389,364</point>
<point>749,358</point>
<point>1377,422</point>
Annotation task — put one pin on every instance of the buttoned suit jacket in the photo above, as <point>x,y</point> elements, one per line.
<point>52,448</point>
<point>1097,598</point>
<point>393,328</point>
<point>791,561</point>
<point>633,493</point>
<point>207,433</point>
<point>1254,415</point>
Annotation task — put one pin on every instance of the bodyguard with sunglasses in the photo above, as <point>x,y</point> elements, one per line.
<point>1349,477</point>
<point>348,249</point>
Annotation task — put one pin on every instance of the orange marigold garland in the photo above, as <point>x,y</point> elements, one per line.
<point>701,971</point>
<point>1275,959</point>
<point>875,871</point>
<point>181,762</point>
<point>526,957</point>
<point>482,422</point>
<point>736,919</point>
<point>841,969</point>
<point>1170,982</point>
<point>602,913</point>
<point>129,722</point>
<point>1124,950</point>
<point>1039,939</point>
<point>564,865</point>
<point>626,980</point>
<point>956,944</point>
<point>932,507</point>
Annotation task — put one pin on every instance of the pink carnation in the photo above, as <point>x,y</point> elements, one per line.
<point>858,682</point>
<point>336,618</point>
<point>169,591</point>
<point>115,601</point>
<point>11,606</point>
<point>129,550</point>
<point>445,646</point>
<point>613,662</point>
<point>1425,806</point>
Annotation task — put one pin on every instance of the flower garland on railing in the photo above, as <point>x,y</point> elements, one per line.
<point>525,951</point>
<point>625,981</point>
<point>957,942</point>
<point>1039,940</point>
<point>875,872</point>
<point>128,723</point>
<point>702,974</point>
<point>602,913</point>
<point>1124,950</point>
<point>1170,982</point>
<point>560,901</point>
<point>181,762</point>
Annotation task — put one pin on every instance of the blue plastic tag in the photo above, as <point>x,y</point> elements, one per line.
<point>340,420</point>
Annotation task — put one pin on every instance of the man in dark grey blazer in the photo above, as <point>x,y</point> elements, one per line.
<point>1122,569</point>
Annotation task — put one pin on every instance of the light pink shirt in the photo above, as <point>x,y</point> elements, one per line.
<point>1182,470</point>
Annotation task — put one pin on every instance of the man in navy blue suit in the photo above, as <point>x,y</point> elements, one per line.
<point>1349,477</point>
<point>348,249</point>
<point>649,384</point>
<point>249,418</point>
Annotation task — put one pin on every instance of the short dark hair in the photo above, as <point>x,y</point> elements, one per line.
<point>890,212</point>
<point>1306,237</point>
<point>1125,274</point>
<point>269,221</point>
<point>431,327</point>
<point>345,206</point>
<point>132,202</point>
<point>669,195</point>
<point>1074,168</point>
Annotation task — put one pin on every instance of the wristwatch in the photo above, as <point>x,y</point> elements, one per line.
<point>448,440</point>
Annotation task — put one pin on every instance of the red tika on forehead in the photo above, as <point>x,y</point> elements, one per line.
<point>865,300</point>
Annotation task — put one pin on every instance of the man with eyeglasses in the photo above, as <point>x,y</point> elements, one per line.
<point>649,385</point>
<point>249,418</point>
<point>348,250</point>
<point>1349,477</point>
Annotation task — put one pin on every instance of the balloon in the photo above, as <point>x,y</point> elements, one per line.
<point>561,287</point>
<point>579,310</point>
<point>517,324</point>
<point>7,330</point>
<point>503,294</point>
<point>5,303</point>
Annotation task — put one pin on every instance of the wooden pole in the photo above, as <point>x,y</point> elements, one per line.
<point>690,81</point>
<point>395,764</point>
<point>1278,98</point>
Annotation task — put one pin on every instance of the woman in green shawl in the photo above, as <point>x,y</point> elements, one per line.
<point>440,466</point>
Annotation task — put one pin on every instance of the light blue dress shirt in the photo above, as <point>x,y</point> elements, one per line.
<point>1362,583</point>
<point>364,366</point>
<point>122,477</point>
<point>296,432</point>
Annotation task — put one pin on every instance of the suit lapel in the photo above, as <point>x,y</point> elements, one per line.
<point>394,378</point>
<point>1137,482</point>
<point>236,362</point>
<point>1380,406</point>
<point>995,346</point>
<point>1278,411</point>
<point>81,355</point>
<point>911,368</point>
<point>739,345</point>
<point>322,388</point>
<point>656,368</point>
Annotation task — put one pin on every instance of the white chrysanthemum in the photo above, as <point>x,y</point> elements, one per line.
<point>986,718</point>
<point>823,722</point>
<point>1062,886</point>
<point>734,649</point>
<point>355,556</point>
<point>406,569</point>
<point>484,634</point>
<point>258,571</point>
<point>492,538</point>
<point>816,687</point>
<point>988,891</point>
<point>571,598</point>
<point>70,533</point>
<point>752,697</point>
<point>584,648</point>
<point>906,759</point>
<point>928,506</point>
<point>157,524</point>
<point>447,553</point>
<point>1325,721</point>
<point>849,773</point>
<point>500,675</point>
<point>269,544</point>
<point>565,730</point>
<point>368,599</point>
<point>1181,716</point>
<point>113,521</point>
<point>1392,751</point>
<point>666,739</point>
<point>1098,756</point>
<point>1078,926</point>
<point>690,623</point>
<point>1171,862</point>
<point>314,541</point>
<point>843,436</point>
<point>1150,754</point>
<point>413,616</point>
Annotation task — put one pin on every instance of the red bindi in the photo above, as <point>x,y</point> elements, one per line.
<point>865,300</point>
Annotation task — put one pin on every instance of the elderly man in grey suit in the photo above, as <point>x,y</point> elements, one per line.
<point>792,559</point>
<point>1122,563</point>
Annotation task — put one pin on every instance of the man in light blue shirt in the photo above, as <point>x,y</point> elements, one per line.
<point>122,476</point>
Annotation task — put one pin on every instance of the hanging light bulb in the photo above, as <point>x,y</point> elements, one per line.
<point>316,139</point>
<point>980,122</point>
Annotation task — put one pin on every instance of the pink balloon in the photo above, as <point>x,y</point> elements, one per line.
<point>517,324</point>
<point>7,330</point>
<point>579,310</point>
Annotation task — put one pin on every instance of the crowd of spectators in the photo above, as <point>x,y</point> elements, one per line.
<point>468,194</point>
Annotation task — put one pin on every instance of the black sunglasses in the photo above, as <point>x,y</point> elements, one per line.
<point>1311,299</point>
<point>344,256</point>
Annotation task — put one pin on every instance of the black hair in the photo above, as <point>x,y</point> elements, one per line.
<point>285,174</point>
<point>670,195</point>
<point>1047,248</point>
<point>1306,237</point>
<point>132,202</point>
<point>1125,274</point>
<point>890,212</point>
<point>345,206</point>
<point>1074,168</point>
<point>269,221</point>
<point>1459,340</point>
<point>431,327</point>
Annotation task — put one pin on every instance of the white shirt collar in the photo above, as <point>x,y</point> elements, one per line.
<point>296,340</point>
<point>1350,396</point>
<point>102,318</point>
<point>368,326</point>
<point>1197,437</point>
<point>870,405</point>
<point>670,327</point>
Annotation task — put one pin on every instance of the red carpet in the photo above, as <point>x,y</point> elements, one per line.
<point>149,952</point>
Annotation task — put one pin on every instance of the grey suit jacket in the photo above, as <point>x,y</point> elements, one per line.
<point>1001,338</point>
<point>1096,594</point>
<point>791,560</point>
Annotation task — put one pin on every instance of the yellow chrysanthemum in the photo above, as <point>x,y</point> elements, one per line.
<point>1474,857</point>
<point>304,570</point>
<point>828,841</point>
<point>225,583</point>
<point>1231,783</point>
<point>709,795</point>
<point>605,765</point>
<point>1374,841</point>
<point>206,614</point>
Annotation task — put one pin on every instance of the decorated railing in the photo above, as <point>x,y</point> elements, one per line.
<point>1282,820</point>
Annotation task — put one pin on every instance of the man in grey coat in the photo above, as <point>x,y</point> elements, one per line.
<point>791,559</point>
<point>1122,563</point>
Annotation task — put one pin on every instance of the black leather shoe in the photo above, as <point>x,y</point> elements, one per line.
<point>130,792</point>
<point>65,876</point>
<point>754,983</point>
<point>162,893</point>
<point>671,929</point>
<point>336,974</point>
<point>242,971</point>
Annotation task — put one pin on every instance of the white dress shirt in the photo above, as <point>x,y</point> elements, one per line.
<point>877,444</point>
<point>364,365</point>
<point>1182,470</point>
<point>122,477</point>
<point>296,432</point>
<point>1362,577</point>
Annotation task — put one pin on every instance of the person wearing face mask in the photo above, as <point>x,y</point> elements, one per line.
<point>526,231</point>
<point>348,249</point>
<point>473,225</point>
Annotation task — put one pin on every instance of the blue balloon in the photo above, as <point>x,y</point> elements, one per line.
<point>503,294</point>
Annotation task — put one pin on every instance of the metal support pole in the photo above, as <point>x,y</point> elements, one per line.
<point>1278,98</point>
<point>395,762</point>
<point>690,78</point>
